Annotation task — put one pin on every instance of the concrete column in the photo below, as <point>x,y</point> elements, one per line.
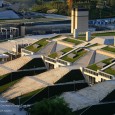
<point>81,19</point>
<point>88,36</point>
<point>23,31</point>
<point>11,36</point>
<point>16,49</point>
<point>3,60</point>
<point>75,33</point>
<point>114,40</point>
<point>72,20</point>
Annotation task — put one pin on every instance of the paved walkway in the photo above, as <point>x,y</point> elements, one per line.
<point>7,108</point>
<point>88,96</point>
<point>36,82</point>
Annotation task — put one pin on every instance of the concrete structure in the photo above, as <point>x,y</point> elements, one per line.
<point>79,20</point>
<point>100,75</point>
<point>106,40</point>
<point>88,36</point>
<point>1,3</point>
<point>88,96</point>
<point>3,57</point>
<point>75,33</point>
<point>14,32</point>
<point>36,82</point>
<point>114,40</point>
<point>23,31</point>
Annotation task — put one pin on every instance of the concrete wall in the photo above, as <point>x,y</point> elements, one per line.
<point>107,53</point>
<point>72,21</point>
<point>25,52</point>
<point>96,75</point>
<point>79,20</point>
<point>65,43</point>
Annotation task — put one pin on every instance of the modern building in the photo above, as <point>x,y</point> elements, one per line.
<point>1,3</point>
<point>100,71</point>
<point>79,20</point>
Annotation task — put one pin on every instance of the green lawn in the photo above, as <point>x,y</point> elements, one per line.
<point>94,67</point>
<point>42,43</point>
<point>78,55</point>
<point>76,42</point>
<point>66,50</point>
<point>107,61</point>
<point>108,48</point>
<point>104,34</point>
<point>82,38</point>
<point>55,54</point>
<point>56,37</point>
<point>109,71</point>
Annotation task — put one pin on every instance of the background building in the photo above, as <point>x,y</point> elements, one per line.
<point>79,20</point>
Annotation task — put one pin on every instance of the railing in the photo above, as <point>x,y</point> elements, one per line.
<point>75,49</point>
<point>49,59</point>
<point>26,51</point>
<point>106,75</point>
<point>90,71</point>
<point>64,62</point>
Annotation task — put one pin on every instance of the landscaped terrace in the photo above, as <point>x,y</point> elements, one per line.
<point>93,45</point>
<point>59,53</point>
<point>55,37</point>
<point>100,65</point>
<point>104,34</point>
<point>73,41</point>
<point>8,80</point>
<point>37,45</point>
<point>50,91</point>
<point>109,48</point>
<point>110,70</point>
<point>74,56</point>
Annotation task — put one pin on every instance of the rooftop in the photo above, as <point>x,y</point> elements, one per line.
<point>73,41</point>
<point>77,55</point>
<point>37,45</point>
<point>61,52</point>
<point>100,65</point>
<point>88,96</point>
<point>110,70</point>
<point>109,48</point>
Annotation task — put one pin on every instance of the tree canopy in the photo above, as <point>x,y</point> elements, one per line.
<point>56,106</point>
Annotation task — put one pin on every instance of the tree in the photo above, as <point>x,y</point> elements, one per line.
<point>55,106</point>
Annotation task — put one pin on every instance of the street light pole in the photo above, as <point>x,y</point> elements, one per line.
<point>19,100</point>
<point>34,69</point>
<point>11,77</point>
<point>74,85</point>
<point>48,92</point>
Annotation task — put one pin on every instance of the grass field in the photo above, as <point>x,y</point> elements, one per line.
<point>76,42</point>
<point>78,55</point>
<point>108,48</point>
<point>42,43</point>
